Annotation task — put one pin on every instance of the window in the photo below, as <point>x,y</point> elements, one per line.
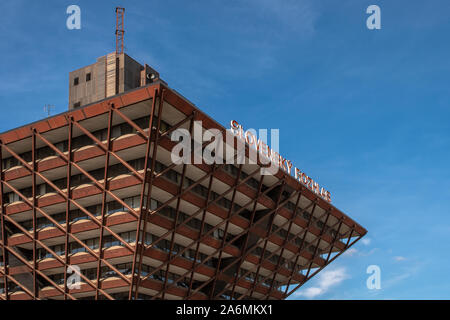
<point>76,247</point>
<point>62,146</point>
<point>77,215</point>
<point>45,152</point>
<point>41,189</point>
<point>88,77</point>
<point>76,104</point>
<point>76,81</point>
<point>10,162</point>
<point>129,236</point>
<point>218,233</point>
<point>113,207</point>
<point>92,243</point>
<point>26,156</point>
<point>13,197</point>
<point>148,238</point>
<point>115,132</point>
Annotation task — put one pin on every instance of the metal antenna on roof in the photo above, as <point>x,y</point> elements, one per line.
<point>119,29</point>
<point>48,109</point>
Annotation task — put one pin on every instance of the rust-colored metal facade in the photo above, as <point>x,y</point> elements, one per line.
<point>190,231</point>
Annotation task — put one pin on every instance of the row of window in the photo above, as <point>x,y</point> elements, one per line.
<point>199,189</point>
<point>250,276</point>
<point>297,241</point>
<point>288,264</point>
<point>83,140</point>
<point>194,223</point>
<point>234,171</point>
<point>170,212</point>
<point>307,216</point>
<point>118,169</point>
<point>118,296</point>
<point>77,215</point>
<point>130,237</point>
<point>113,207</point>
<point>164,245</point>
<point>76,180</point>
<point>76,80</point>
<point>125,269</point>
<point>134,202</point>
<point>93,243</point>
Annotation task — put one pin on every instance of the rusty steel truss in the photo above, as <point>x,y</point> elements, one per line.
<point>227,275</point>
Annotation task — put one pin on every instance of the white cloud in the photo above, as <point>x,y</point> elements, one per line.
<point>311,293</point>
<point>399,258</point>
<point>350,252</point>
<point>366,241</point>
<point>325,280</point>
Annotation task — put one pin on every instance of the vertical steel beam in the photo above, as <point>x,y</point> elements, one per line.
<point>269,232</point>
<point>142,207</point>
<point>177,213</point>
<point>4,236</point>
<point>319,239</point>
<point>286,240</point>
<point>230,211</point>
<point>241,260</point>
<point>200,234</point>
<point>140,247</point>
<point>294,269</point>
<point>105,187</point>
<point>69,196</point>
<point>34,195</point>
<point>336,238</point>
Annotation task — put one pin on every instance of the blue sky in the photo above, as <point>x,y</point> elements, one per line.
<point>366,113</point>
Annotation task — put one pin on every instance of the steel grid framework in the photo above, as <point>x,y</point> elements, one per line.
<point>120,31</point>
<point>152,136</point>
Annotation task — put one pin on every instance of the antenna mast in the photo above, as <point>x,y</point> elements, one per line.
<point>48,109</point>
<point>119,29</point>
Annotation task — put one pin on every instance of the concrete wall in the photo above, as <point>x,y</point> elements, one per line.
<point>100,78</point>
<point>131,73</point>
<point>85,91</point>
<point>110,75</point>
